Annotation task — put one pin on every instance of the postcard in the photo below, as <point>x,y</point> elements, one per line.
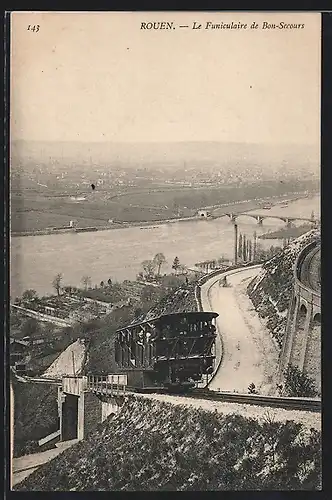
<point>165,277</point>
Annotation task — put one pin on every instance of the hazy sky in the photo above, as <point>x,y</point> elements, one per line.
<point>98,77</point>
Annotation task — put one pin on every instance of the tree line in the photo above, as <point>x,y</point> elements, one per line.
<point>152,267</point>
<point>249,250</point>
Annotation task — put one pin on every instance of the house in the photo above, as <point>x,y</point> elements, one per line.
<point>18,350</point>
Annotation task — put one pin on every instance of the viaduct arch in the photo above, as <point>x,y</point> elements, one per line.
<point>302,340</point>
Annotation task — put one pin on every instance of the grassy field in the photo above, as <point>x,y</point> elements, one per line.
<point>37,213</point>
<point>36,210</point>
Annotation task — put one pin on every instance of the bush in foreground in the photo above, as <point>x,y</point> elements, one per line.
<point>298,383</point>
<point>153,446</point>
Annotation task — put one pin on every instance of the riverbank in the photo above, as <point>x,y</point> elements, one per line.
<point>286,232</point>
<point>235,207</point>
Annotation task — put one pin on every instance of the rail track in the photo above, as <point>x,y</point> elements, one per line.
<point>286,403</point>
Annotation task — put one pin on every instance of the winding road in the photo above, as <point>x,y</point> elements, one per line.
<point>249,353</point>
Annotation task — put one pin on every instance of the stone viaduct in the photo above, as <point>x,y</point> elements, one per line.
<point>302,341</point>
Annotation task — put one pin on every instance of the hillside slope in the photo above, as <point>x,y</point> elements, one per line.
<point>153,446</point>
<point>35,415</point>
<point>100,357</point>
<point>180,300</point>
<point>271,290</point>
<point>72,358</point>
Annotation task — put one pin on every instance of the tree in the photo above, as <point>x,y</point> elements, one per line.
<point>298,383</point>
<point>255,246</point>
<point>148,268</point>
<point>244,251</point>
<point>176,264</point>
<point>102,284</point>
<point>250,250</point>
<point>86,281</point>
<point>159,259</point>
<point>29,295</point>
<point>109,282</point>
<point>182,269</point>
<point>30,327</point>
<point>239,252</point>
<point>56,283</point>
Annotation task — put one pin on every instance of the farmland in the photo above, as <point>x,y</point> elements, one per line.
<point>37,209</point>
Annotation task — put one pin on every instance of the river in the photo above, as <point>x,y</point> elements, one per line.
<point>118,253</point>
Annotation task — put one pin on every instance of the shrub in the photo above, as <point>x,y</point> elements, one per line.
<point>298,383</point>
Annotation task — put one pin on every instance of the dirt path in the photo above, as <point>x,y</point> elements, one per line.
<point>22,467</point>
<point>249,354</point>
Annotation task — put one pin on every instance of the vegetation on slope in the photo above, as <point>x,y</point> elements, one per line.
<point>154,302</point>
<point>153,446</point>
<point>35,415</point>
<point>270,292</point>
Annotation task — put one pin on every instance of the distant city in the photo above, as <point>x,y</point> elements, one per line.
<point>110,166</point>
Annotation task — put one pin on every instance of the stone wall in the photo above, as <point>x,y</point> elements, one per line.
<point>302,340</point>
<point>92,412</point>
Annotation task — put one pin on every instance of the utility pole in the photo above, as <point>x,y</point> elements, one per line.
<point>235,243</point>
<point>73,356</point>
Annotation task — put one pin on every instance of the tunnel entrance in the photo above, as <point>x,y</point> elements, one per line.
<point>69,418</point>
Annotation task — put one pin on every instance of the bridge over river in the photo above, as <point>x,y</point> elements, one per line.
<point>260,217</point>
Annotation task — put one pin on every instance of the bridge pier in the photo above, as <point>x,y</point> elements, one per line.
<point>82,406</point>
<point>71,415</point>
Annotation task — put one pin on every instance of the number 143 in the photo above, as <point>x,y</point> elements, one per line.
<point>33,27</point>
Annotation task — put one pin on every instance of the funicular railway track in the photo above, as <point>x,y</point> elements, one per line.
<point>148,350</point>
<point>286,403</point>
<point>101,387</point>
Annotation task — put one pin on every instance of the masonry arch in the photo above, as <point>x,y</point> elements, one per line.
<point>246,217</point>
<point>317,319</point>
<point>301,317</point>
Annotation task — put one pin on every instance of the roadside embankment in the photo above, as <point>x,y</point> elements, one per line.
<point>270,291</point>
<point>152,445</point>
